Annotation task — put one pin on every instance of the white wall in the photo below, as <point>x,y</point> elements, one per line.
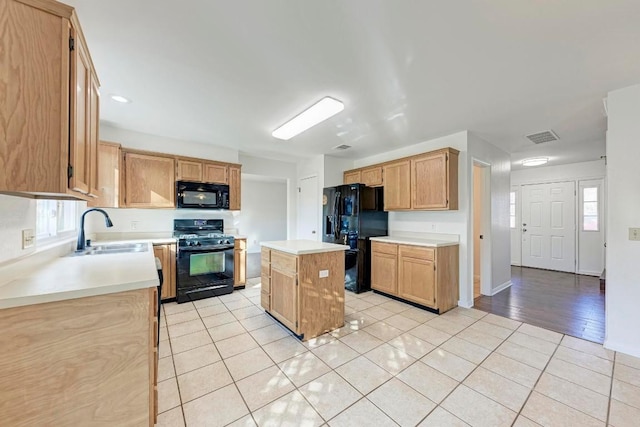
<point>498,241</point>
<point>333,170</point>
<point>269,168</point>
<point>312,167</point>
<point>16,214</point>
<point>161,144</point>
<point>264,211</point>
<point>589,245</point>
<point>623,184</point>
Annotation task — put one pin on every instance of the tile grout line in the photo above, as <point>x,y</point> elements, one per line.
<point>613,372</point>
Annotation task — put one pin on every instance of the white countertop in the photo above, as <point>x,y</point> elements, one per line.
<point>301,247</point>
<point>432,243</point>
<point>81,276</point>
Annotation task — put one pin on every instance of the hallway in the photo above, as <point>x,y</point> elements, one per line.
<point>562,302</point>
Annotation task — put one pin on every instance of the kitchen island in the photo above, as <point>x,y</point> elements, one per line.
<point>303,285</point>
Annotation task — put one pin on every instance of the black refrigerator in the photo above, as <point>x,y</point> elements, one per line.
<point>351,214</point>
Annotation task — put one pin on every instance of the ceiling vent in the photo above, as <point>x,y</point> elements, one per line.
<point>342,147</point>
<point>540,137</point>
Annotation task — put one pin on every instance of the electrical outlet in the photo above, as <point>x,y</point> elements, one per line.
<point>324,273</point>
<point>134,225</point>
<point>28,238</point>
<point>634,233</point>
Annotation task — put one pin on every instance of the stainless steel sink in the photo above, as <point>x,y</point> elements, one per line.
<point>113,248</point>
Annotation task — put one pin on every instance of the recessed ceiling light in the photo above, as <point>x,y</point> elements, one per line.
<point>313,115</point>
<point>535,161</point>
<point>120,99</point>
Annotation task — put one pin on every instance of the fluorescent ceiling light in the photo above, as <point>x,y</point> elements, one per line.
<point>313,115</point>
<point>120,99</point>
<point>535,161</point>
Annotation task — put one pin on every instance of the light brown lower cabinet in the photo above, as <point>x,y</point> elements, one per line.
<point>294,292</point>
<point>422,275</point>
<point>81,362</point>
<point>167,256</point>
<point>240,263</point>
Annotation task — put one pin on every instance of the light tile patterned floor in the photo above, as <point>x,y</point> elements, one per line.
<point>225,362</point>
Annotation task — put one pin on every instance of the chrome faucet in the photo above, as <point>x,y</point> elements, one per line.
<point>81,242</point>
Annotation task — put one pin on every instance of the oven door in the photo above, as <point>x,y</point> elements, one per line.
<point>204,273</point>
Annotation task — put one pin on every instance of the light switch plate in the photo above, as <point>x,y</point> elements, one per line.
<point>634,233</point>
<point>28,239</point>
<point>324,273</point>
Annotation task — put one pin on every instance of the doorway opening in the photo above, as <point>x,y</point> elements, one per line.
<point>308,208</point>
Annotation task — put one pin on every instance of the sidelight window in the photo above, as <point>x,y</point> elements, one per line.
<point>590,211</point>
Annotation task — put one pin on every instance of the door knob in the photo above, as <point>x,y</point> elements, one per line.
<point>313,231</point>
<point>524,230</point>
<point>481,237</point>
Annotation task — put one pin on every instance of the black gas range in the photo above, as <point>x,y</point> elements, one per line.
<point>205,263</point>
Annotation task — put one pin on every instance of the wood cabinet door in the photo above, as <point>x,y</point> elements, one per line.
<point>352,177</point>
<point>429,182</point>
<point>416,280</point>
<point>397,186</point>
<point>216,173</point>
<point>384,272</point>
<point>167,256</point>
<point>235,192</point>
<point>108,176</point>
<point>149,181</point>
<point>188,170</point>
<point>284,297</point>
<point>94,124</point>
<point>240,262</point>
<point>372,177</point>
<point>79,147</point>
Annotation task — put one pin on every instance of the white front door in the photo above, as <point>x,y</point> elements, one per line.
<point>308,209</point>
<point>549,226</point>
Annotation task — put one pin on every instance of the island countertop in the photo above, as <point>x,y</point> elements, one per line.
<point>302,247</point>
<point>81,276</point>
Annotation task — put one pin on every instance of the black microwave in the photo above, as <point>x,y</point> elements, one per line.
<point>194,195</point>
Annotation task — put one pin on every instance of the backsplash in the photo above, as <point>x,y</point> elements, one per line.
<point>16,214</point>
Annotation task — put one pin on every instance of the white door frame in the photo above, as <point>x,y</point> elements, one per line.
<point>318,208</point>
<point>486,272</point>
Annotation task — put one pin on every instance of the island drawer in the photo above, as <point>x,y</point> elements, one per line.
<point>265,255</point>
<point>265,269</point>
<point>265,283</point>
<point>283,261</point>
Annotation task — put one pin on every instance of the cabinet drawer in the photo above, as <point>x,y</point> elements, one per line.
<point>265,283</point>
<point>265,300</point>
<point>385,248</point>
<point>284,261</point>
<point>265,269</point>
<point>416,252</point>
<point>265,255</point>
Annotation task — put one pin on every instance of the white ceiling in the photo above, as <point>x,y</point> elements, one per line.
<point>229,72</point>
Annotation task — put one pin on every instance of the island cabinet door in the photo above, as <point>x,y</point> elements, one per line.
<point>416,275</point>
<point>284,297</point>
<point>384,269</point>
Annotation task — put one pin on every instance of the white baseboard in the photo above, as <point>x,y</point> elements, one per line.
<point>465,304</point>
<point>624,347</point>
<point>516,264</point>
<point>590,273</point>
<point>500,288</point>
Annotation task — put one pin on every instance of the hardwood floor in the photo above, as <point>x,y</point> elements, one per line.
<point>567,303</point>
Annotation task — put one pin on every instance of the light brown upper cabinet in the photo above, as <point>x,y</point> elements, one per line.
<point>201,171</point>
<point>216,173</point>
<point>49,102</point>
<point>149,181</point>
<point>235,193</point>
<point>109,167</point>
<point>352,177</point>
<point>434,180</point>
<point>188,170</point>
<point>397,181</point>
<point>369,176</point>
